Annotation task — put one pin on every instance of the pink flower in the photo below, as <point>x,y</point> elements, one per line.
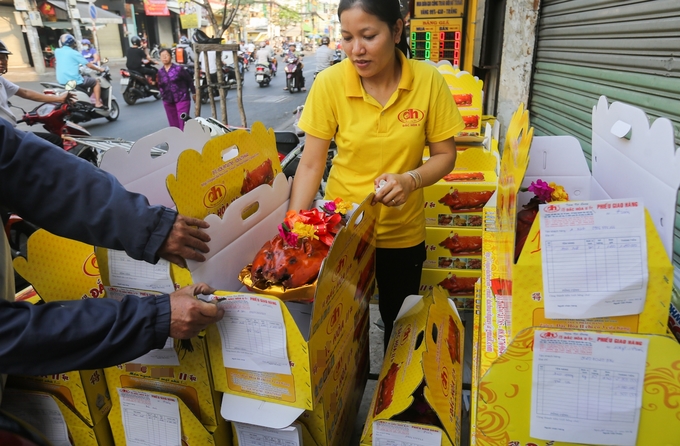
<point>290,238</point>
<point>542,190</point>
<point>330,207</point>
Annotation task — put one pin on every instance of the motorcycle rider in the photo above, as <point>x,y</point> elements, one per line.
<point>68,67</point>
<point>292,53</point>
<point>9,89</point>
<point>265,56</point>
<point>185,45</point>
<point>138,61</point>
<point>89,52</point>
<point>324,55</point>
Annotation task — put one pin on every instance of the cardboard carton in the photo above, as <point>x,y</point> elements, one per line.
<point>421,378</point>
<point>454,248</point>
<point>192,431</point>
<point>458,284</point>
<point>189,380</point>
<point>78,432</point>
<point>624,146</point>
<point>505,395</point>
<point>83,391</point>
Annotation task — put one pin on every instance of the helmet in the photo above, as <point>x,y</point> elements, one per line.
<point>3,48</point>
<point>201,37</point>
<point>184,40</point>
<point>85,42</point>
<point>325,40</point>
<point>67,40</point>
<point>135,41</point>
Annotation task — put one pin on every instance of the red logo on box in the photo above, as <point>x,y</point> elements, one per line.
<point>90,266</point>
<point>214,196</point>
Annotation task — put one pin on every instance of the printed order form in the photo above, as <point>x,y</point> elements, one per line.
<point>253,334</point>
<point>587,387</point>
<point>387,433</point>
<point>150,420</point>
<point>40,411</point>
<point>594,257</point>
<point>127,272</point>
<point>250,435</point>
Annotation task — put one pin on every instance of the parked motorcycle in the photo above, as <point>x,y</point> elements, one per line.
<point>83,110</point>
<point>135,85</point>
<point>263,75</point>
<point>294,76</point>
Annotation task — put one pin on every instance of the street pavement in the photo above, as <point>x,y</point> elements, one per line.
<point>270,105</point>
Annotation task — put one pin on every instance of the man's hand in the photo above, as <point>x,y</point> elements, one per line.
<point>68,98</point>
<point>188,315</point>
<point>184,239</point>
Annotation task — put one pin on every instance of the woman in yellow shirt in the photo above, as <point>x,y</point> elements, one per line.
<point>382,109</point>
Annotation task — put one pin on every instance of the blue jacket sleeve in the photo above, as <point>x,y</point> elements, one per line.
<point>71,198</point>
<point>80,335</point>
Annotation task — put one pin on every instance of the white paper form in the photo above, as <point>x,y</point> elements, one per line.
<point>387,433</point>
<point>253,334</point>
<point>587,387</point>
<point>150,420</point>
<point>594,258</point>
<point>40,411</point>
<point>127,272</point>
<point>162,356</point>
<point>251,435</point>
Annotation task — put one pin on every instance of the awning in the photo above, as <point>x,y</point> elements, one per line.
<point>103,16</point>
<point>58,25</point>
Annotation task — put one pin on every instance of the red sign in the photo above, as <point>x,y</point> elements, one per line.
<point>156,7</point>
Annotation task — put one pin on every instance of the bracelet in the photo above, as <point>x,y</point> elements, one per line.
<point>417,179</point>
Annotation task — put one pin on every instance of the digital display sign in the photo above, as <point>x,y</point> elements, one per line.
<point>423,9</point>
<point>437,40</point>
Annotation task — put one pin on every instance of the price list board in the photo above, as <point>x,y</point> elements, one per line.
<point>436,40</point>
<point>438,8</point>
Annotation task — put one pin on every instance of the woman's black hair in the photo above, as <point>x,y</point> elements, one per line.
<point>162,50</point>
<point>388,11</point>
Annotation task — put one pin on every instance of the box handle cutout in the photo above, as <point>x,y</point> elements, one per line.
<point>250,210</point>
<point>545,160</point>
<point>621,129</point>
<point>419,340</point>
<point>162,149</point>
<point>358,218</point>
<point>229,153</point>
<point>435,331</point>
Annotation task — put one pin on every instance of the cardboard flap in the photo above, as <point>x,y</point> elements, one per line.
<point>228,234</point>
<point>207,182</point>
<point>246,410</point>
<point>139,172</point>
<point>645,153</point>
<point>60,268</point>
<point>442,363</point>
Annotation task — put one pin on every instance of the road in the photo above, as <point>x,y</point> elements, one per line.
<point>270,105</point>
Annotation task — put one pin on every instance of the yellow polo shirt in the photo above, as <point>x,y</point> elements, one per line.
<point>373,139</point>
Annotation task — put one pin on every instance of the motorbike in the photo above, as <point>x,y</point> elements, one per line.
<point>135,85</point>
<point>83,110</point>
<point>263,75</point>
<point>230,74</point>
<point>54,118</point>
<point>294,76</point>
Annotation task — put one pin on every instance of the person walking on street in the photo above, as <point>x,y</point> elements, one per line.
<point>360,103</point>
<point>69,61</point>
<point>324,55</point>
<point>175,84</point>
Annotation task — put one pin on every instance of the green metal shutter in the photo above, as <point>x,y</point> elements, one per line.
<point>623,49</point>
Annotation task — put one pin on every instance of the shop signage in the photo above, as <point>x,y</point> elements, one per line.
<point>156,7</point>
<point>188,14</point>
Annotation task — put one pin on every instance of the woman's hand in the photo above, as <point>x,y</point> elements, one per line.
<point>395,189</point>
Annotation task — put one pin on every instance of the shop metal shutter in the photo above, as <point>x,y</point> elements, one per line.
<point>626,50</point>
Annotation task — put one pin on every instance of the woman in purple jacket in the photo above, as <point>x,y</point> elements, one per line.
<point>175,84</point>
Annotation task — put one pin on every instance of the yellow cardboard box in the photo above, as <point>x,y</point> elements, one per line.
<point>190,381</point>
<point>79,432</point>
<point>193,433</point>
<point>83,391</point>
<point>332,420</point>
<point>505,395</point>
<point>263,434</point>
<point>466,90</point>
<point>421,378</point>
<point>624,146</point>
<point>458,284</point>
<point>453,248</point>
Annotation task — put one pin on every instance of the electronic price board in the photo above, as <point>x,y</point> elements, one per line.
<point>438,39</point>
